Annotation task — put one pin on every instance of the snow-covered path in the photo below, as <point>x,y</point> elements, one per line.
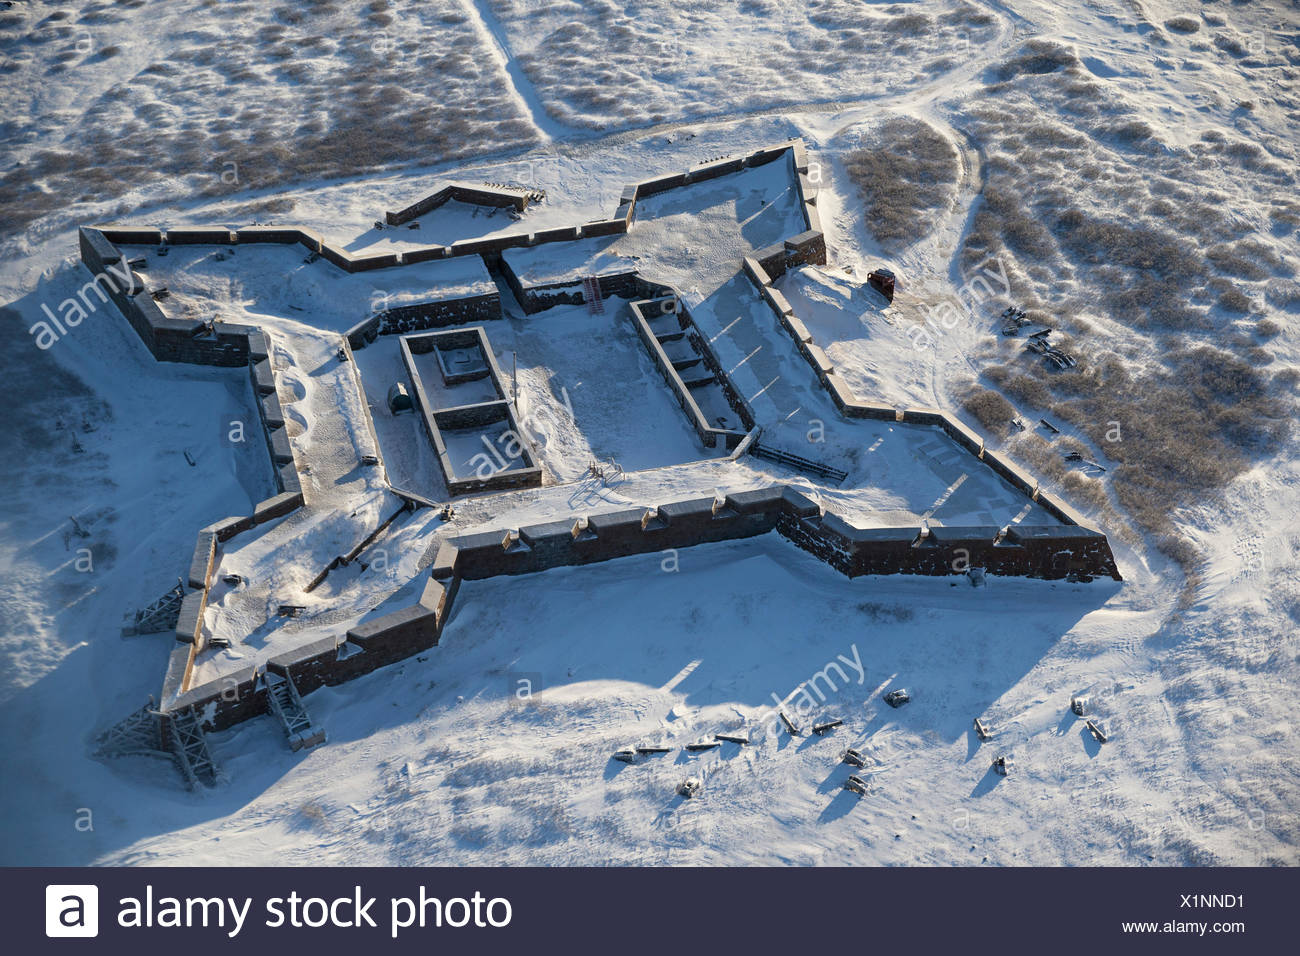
<point>494,38</point>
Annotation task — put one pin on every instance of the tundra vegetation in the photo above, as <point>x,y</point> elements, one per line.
<point>1131,248</point>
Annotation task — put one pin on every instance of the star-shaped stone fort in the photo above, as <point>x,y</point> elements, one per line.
<point>515,401</point>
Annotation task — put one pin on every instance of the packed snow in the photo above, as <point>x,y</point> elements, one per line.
<point>1166,127</point>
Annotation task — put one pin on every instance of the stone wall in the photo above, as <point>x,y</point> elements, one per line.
<point>403,319</point>
<point>193,342</point>
<point>184,340</point>
<point>364,332</point>
<point>700,343</point>
<point>849,404</point>
<point>476,194</point>
<point>1047,551</point>
<point>1041,552</point>
<point>169,340</point>
<point>538,298</point>
<point>383,640</point>
<point>619,534</point>
<point>809,248</point>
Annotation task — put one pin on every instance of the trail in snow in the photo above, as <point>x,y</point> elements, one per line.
<point>491,31</point>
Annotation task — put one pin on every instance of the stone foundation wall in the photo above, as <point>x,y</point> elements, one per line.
<point>710,436</point>
<point>404,319</point>
<point>478,415</point>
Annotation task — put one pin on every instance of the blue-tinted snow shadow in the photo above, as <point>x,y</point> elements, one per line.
<point>1091,745</point>
<point>973,743</point>
<point>841,805</point>
<point>835,779</point>
<point>987,782</point>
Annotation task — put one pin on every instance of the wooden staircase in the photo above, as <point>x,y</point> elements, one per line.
<point>161,615</point>
<point>591,293</point>
<point>139,734</point>
<point>287,705</point>
<point>189,748</point>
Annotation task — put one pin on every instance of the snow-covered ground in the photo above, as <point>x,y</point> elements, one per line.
<point>458,768</point>
<point>604,65</point>
<point>1171,120</point>
<point>258,283</point>
<point>114,105</point>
